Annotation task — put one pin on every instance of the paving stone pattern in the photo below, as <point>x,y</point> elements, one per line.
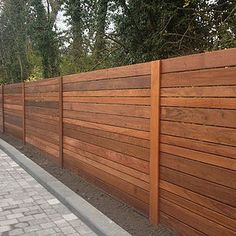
<point>27,208</point>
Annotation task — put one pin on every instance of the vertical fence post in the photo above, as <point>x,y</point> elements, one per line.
<point>23,113</point>
<point>60,80</point>
<point>155,142</point>
<point>3,116</point>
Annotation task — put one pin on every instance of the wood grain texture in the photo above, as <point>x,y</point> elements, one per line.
<point>154,142</point>
<point>217,59</point>
<point>2,89</point>
<point>60,95</point>
<point>23,113</point>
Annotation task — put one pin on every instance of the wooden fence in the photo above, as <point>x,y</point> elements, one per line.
<point>161,136</point>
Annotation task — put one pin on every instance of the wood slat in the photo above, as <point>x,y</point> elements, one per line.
<point>114,120</point>
<point>180,227</point>
<point>221,58</point>
<point>196,221</point>
<point>109,135</point>
<point>202,211</point>
<point>113,109</point>
<point>109,93</point>
<point>111,179</point>
<point>109,128</point>
<point>222,103</point>
<point>107,169</point>
<point>136,82</point>
<point>200,170</point>
<point>138,152</point>
<point>123,71</point>
<point>110,100</point>
<point>200,156</point>
<point>209,77</point>
<point>215,117</point>
<point>200,199</point>
<point>112,164</point>
<point>221,150</point>
<point>123,159</point>
<point>206,188</point>
<point>216,91</point>
<point>220,135</point>
<point>85,172</point>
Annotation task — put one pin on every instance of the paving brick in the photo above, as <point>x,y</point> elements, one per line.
<point>32,228</point>
<point>46,232</point>
<point>16,232</point>
<point>53,201</point>
<point>8,222</point>
<point>70,216</point>
<point>15,216</point>
<point>4,228</point>
<point>27,208</point>
<point>68,230</point>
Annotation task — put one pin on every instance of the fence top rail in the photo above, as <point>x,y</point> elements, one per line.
<point>19,84</point>
<point>207,60</point>
<point>41,81</point>
<point>110,73</point>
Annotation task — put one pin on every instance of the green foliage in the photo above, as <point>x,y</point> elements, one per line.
<point>107,33</point>
<point>45,39</point>
<point>14,62</point>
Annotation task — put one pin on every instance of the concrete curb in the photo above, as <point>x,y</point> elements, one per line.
<point>95,219</point>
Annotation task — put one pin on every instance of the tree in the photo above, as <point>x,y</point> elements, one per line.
<point>13,40</point>
<point>44,36</point>
<point>100,42</point>
<point>159,29</point>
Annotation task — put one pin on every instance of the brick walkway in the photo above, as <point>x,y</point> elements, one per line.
<point>27,208</point>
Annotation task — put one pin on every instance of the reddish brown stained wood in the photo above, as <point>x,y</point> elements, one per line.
<point>107,169</point>
<point>199,156</point>
<point>223,103</point>
<point>122,110</point>
<point>113,136</point>
<point>201,170</point>
<point>23,112</point>
<point>121,184</point>
<point>85,172</point>
<point>122,168</point>
<point>210,91</point>
<point>110,93</point>
<point>202,200</point>
<point>206,188</point>
<point>109,128</point>
<point>196,221</point>
<point>220,135</point>
<point>202,211</point>
<point>221,150</point>
<point>60,80</point>
<point>128,149</point>
<point>180,227</point>
<point>118,72</point>
<point>43,82</point>
<point>154,142</point>
<point>3,127</point>
<point>136,82</point>
<point>110,100</point>
<point>221,58</point>
<point>114,120</point>
<point>213,77</point>
<point>214,117</point>
<point>123,159</point>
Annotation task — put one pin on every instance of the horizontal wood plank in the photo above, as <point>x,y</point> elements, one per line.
<point>213,77</point>
<point>216,59</point>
